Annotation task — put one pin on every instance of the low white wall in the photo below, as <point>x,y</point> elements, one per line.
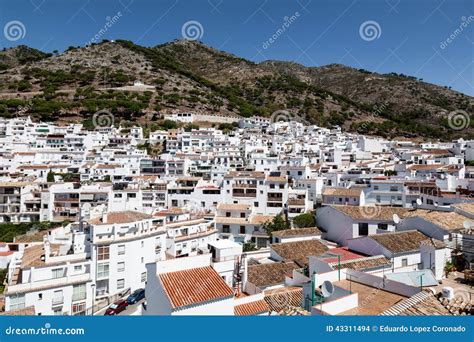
<point>337,306</point>
<point>387,285</point>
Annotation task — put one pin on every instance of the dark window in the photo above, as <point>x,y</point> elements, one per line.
<point>242,229</point>
<point>363,229</point>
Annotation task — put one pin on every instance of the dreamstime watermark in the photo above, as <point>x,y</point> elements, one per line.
<point>285,116</point>
<point>194,208</point>
<point>459,119</point>
<point>103,119</point>
<point>375,114</point>
<point>109,22</point>
<point>14,30</point>
<point>369,211</point>
<point>192,30</point>
<point>46,330</point>
<point>287,21</point>
<point>465,21</point>
<point>279,301</point>
<point>24,109</point>
<point>370,30</point>
<point>372,296</point>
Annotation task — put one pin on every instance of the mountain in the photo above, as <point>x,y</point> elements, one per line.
<point>190,76</point>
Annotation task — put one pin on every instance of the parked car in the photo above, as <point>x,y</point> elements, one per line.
<point>136,296</point>
<point>116,307</point>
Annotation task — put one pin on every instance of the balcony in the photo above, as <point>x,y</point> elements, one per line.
<point>244,186</point>
<point>244,194</point>
<point>48,283</point>
<point>296,202</point>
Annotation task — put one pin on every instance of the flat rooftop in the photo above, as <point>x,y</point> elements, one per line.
<point>372,301</point>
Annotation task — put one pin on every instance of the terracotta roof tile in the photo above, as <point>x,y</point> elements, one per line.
<point>297,232</point>
<point>252,308</point>
<point>401,242</point>
<point>194,286</point>
<point>299,251</point>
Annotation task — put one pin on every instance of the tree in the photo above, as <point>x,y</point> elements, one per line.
<point>304,220</point>
<point>249,246</point>
<point>279,222</point>
<point>50,177</point>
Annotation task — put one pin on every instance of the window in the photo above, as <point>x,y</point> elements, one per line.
<point>120,267</point>
<point>143,277</point>
<point>363,229</point>
<point>142,260</point>
<point>103,253</point>
<point>242,215</point>
<point>242,229</point>
<point>120,284</point>
<point>143,244</point>
<point>79,309</point>
<point>121,249</point>
<point>255,204</point>
<point>404,262</point>
<point>58,297</point>
<point>225,229</point>
<point>227,214</point>
<point>79,292</point>
<point>58,272</point>
<point>117,195</point>
<point>103,270</point>
<point>383,226</point>
<point>40,296</point>
<point>17,302</point>
<point>77,268</point>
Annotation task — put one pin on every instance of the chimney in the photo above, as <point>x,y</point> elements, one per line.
<point>244,278</point>
<point>47,249</point>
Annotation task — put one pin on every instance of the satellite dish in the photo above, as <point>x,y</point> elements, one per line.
<point>396,218</point>
<point>86,206</point>
<point>435,204</point>
<point>467,224</point>
<point>327,289</point>
<point>418,201</point>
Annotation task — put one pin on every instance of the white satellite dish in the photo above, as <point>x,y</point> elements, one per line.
<point>327,289</point>
<point>467,224</point>
<point>418,201</point>
<point>396,218</point>
<point>86,206</point>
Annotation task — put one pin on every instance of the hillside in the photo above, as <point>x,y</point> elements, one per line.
<point>190,76</point>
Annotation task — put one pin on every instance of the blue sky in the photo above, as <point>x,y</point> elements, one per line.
<point>410,35</point>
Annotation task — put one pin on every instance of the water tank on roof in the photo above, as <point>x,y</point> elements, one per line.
<point>447,292</point>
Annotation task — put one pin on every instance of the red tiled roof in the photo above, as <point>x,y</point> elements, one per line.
<point>252,308</point>
<point>344,253</point>
<point>194,286</point>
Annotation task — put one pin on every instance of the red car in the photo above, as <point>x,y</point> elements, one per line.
<point>116,307</point>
